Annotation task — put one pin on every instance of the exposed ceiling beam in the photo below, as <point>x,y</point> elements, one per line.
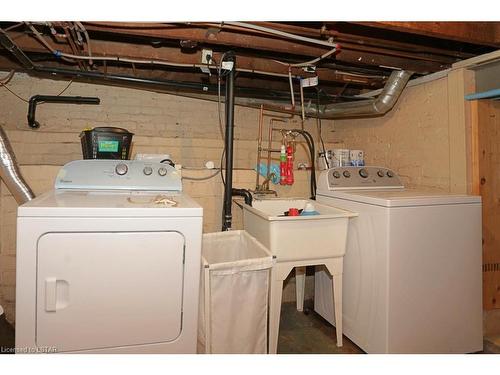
<point>330,30</point>
<point>238,40</point>
<point>197,77</point>
<point>107,48</point>
<point>484,33</point>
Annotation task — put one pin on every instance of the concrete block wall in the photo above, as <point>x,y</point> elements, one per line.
<point>187,129</point>
<point>411,139</point>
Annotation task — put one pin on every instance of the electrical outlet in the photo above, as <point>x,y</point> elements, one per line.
<point>206,56</point>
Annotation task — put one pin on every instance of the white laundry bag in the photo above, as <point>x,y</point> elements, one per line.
<point>233,294</point>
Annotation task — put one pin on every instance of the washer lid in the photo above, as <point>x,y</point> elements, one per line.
<point>84,203</point>
<point>402,197</point>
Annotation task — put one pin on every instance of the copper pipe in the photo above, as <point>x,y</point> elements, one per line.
<point>259,145</point>
<point>270,143</point>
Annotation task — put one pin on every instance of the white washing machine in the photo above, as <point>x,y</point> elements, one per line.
<point>109,262</point>
<point>412,269</point>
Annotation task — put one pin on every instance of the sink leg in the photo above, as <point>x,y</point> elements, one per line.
<point>275,294</point>
<point>337,300</point>
<point>300,284</point>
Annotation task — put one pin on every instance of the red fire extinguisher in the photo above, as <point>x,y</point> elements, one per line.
<point>289,165</point>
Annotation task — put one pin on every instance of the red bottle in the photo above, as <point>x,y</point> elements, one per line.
<point>283,173</point>
<point>289,165</point>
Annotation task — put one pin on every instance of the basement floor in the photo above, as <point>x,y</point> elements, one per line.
<point>300,333</point>
<point>308,333</point>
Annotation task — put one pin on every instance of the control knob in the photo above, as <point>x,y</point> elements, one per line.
<point>336,174</point>
<point>162,171</point>
<point>147,170</point>
<point>390,174</point>
<point>363,173</point>
<point>347,174</point>
<point>121,169</point>
<point>380,173</point>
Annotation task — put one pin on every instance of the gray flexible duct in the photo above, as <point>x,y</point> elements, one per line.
<point>378,106</point>
<point>10,173</point>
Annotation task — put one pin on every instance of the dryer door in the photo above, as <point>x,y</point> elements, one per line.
<point>107,289</point>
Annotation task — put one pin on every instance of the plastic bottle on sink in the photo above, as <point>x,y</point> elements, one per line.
<point>309,210</point>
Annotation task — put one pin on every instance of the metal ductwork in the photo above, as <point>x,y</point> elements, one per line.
<point>10,173</point>
<point>378,106</point>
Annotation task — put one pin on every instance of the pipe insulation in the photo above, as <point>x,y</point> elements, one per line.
<point>10,173</point>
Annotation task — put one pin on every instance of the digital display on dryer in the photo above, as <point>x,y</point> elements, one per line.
<point>108,146</point>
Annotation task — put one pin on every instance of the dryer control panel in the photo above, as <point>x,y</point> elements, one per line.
<point>118,175</point>
<point>358,178</point>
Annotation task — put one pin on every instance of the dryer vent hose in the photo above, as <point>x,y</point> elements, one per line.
<point>10,173</point>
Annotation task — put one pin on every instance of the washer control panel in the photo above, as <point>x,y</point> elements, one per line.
<point>118,175</point>
<point>349,178</point>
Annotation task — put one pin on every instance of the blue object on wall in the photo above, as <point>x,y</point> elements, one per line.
<point>490,94</point>
<point>275,169</point>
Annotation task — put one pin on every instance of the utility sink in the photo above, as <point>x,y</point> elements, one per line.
<point>293,238</point>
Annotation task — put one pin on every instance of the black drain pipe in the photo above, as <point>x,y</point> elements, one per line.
<point>227,217</point>
<point>55,99</point>
<point>245,193</point>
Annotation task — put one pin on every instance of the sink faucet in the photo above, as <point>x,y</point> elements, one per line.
<point>264,187</point>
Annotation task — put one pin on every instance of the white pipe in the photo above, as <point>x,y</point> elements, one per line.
<point>283,34</point>
<point>302,104</point>
<point>291,87</point>
<point>80,25</point>
<point>67,56</point>
<point>309,63</point>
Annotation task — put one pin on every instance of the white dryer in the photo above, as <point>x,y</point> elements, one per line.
<point>412,269</point>
<point>109,262</point>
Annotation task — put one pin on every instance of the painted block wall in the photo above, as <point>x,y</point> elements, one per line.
<point>411,139</point>
<point>187,129</point>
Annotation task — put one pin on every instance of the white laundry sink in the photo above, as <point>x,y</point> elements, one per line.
<point>291,238</point>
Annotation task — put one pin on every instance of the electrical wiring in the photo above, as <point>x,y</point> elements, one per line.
<point>310,144</point>
<point>8,77</point>
<point>310,62</point>
<point>45,43</point>
<point>74,58</point>
<point>4,81</point>
<point>67,87</point>
<point>84,31</point>
<point>13,93</point>
<point>221,127</point>
<point>281,33</point>
<point>201,178</point>
<point>291,87</point>
<point>268,30</point>
<point>318,124</point>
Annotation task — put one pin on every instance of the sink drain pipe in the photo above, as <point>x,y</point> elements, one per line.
<point>227,216</point>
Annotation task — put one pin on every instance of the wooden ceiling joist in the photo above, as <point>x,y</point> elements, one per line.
<point>485,33</point>
<point>222,37</point>
<point>368,51</point>
<point>147,52</point>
